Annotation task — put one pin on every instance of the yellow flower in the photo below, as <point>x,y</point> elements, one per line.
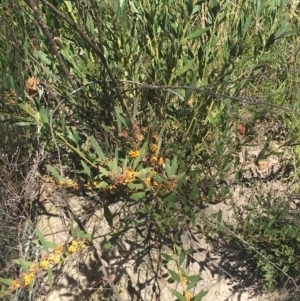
<point>188,296</point>
<point>134,153</point>
<point>83,246</point>
<point>153,148</point>
<point>28,278</point>
<point>54,259</point>
<point>153,159</point>
<point>69,182</point>
<point>72,249</point>
<point>160,161</point>
<point>61,182</point>
<point>147,180</point>
<point>184,281</point>
<point>155,183</point>
<point>44,264</point>
<point>129,176</point>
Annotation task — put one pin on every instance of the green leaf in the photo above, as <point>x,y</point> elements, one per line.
<point>174,275</point>
<point>174,166</point>
<point>108,216</point>
<point>178,295</point>
<point>25,264</point>
<point>42,240</point>
<point>181,258</point>
<point>143,173</point>
<point>97,148</point>
<point>167,257</point>
<point>137,186</point>
<point>197,33</point>
<point>50,244</point>
<point>193,280</point>
<point>270,223</point>
<point>54,172</point>
<point>137,196</point>
<point>211,118</point>
<point>44,115</point>
<point>81,234</point>
<point>200,295</point>
<point>50,277</point>
<point>6,281</point>
<point>86,169</point>
<point>102,185</point>
<point>71,135</point>
<point>181,177</point>
<point>24,123</point>
<point>113,165</point>
<point>42,56</point>
<point>103,171</point>
<point>168,168</point>
<point>282,32</point>
<point>185,68</point>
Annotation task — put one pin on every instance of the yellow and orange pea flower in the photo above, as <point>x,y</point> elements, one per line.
<point>153,148</point>
<point>134,153</point>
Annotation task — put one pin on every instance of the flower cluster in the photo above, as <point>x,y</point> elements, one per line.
<point>36,267</point>
<point>75,246</point>
<point>184,282</point>
<point>68,183</point>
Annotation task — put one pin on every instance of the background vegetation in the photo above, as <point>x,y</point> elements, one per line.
<point>149,100</point>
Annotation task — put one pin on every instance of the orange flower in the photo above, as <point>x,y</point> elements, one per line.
<point>15,284</point>
<point>58,250</point>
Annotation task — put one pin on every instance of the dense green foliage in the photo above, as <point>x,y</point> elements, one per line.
<point>145,98</point>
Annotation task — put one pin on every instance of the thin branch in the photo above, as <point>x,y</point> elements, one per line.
<point>53,44</point>
<point>97,51</point>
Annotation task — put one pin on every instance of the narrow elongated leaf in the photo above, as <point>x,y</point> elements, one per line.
<point>178,295</point>
<point>108,216</point>
<point>174,275</point>
<point>103,171</point>
<point>168,168</point>
<point>197,33</point>
<point>44,115</point>
<point>54,172</point>
<point>70,135</point>
<point>42,240</point>
<point>25,264</point>
<point>200,295</point>
<point>193,280</point>
<point>97,148</point>
<point>174,166</point>
<point>167,257</point>
<point>6,281</point>
<point>86,169</point>
<point>50,277</point>
<point>186,67</point>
